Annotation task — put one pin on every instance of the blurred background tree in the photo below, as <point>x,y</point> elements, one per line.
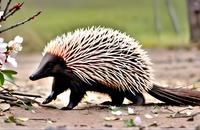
<point>135,17</point>
<point>194,21</point>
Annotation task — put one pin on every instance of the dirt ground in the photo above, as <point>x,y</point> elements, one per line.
<point>173,68</point>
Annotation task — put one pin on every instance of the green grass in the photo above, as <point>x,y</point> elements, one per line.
<point>135,17</point>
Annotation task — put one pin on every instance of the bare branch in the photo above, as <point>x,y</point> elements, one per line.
<point>16,6</point>
<point>8,97</point>
<point>11,11</point>
<point>21,94</point>
<point>0,4</point>
<point>20,23</point>
<point>5,10</point>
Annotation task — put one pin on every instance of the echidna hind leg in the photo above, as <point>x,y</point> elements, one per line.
<point>75,97</point>
<point>117,99</point>
<point>137,98</point>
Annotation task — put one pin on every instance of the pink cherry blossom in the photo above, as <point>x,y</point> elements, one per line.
<point>18,39</point>
<point>137,121</point>
<point>10,63</point>
<point>1,40</point>
<point>2,58</point>
<point>15,45</point>
<point>3,47</point>
<point>1,13</point>
<point>8,51</point>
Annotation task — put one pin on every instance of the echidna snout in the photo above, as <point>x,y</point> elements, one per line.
<point>50,65</point>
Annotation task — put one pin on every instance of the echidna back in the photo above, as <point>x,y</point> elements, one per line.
<point>106,56</point>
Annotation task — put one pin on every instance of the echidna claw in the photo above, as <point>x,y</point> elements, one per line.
<point>46,101</point>
<point>66,108</point>
<point>49,99</point>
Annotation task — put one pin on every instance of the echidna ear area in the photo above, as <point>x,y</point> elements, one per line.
<point>71,43</point>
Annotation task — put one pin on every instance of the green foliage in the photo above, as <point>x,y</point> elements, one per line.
<point>13,119</point>
<point>1,79</point>
<point>6,75</point>
<point>129,123</point>
<point>135,17</point>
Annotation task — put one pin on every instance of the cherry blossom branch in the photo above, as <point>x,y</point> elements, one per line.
<point>7,60</point>
<point>8,12</point>
<point>20,23</point>
<point>0,4</point>
<point>11,11</point>
<point>5,10</point>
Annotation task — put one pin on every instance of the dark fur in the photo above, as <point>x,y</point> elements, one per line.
<point>79,88</point>
<point>65,79</point>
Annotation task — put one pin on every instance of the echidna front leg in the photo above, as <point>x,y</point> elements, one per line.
<point>51,97</point>
<point>58,87</point>
<point>75,97</point>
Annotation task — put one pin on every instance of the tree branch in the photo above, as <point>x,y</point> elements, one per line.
<point>0,4</point>
<point>20,23</point>
<point>11,11</point>
<point>6,9</point>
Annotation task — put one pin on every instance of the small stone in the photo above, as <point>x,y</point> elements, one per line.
<point>108,125</point>
<point>148,116</point>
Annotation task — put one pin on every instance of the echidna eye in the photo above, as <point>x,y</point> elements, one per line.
<point>50,65</point>
<point>60,60</point>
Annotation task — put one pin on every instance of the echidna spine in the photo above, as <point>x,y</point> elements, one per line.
<point>106,56</point>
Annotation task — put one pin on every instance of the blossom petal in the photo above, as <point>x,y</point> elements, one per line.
<point>18,39</point>
<point>131,111</point>
<point>137,121</point>
<point>1,13</point>
<point>3,47</point>
<point>1,40</point>
<point>11,62</point>
<point>2,58</point>
<point>15,45</point>
<point>11,43</point>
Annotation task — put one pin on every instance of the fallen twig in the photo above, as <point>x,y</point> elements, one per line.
<point>42,119</point>
<point>6,96</point>
<point>21,94</point>
<point>178,114</point>
<point>13,98</point>
<point>13,103</point>
<point>10,98</point>
<point>186,116</point>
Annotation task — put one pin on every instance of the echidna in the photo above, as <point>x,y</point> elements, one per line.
<point>107,61</point>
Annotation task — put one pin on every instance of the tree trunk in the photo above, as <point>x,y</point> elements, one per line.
<point>194,20</point>
<point>158,26</point>
<point>172,14</point>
